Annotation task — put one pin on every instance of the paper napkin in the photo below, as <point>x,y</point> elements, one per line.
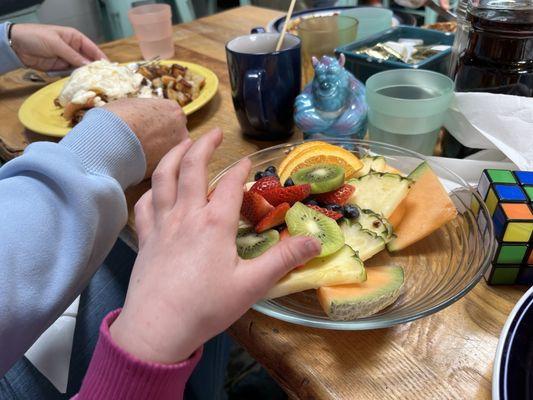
<point>50,354</point>
<point>494,121</point>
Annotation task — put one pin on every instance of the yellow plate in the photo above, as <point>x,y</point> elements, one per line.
<point>39,114</point>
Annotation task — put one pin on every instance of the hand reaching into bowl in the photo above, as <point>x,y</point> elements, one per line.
<point>188,283</point>
<point>50,47</point>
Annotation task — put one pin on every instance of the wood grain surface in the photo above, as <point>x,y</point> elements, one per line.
<point>448,355</point>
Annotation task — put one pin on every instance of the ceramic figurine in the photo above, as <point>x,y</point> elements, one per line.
<point>333,104</point>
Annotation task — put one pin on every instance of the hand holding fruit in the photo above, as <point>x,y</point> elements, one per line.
<point>159,125</point>
<point>188,283</point>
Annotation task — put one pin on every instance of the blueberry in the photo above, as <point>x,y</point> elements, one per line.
<point>271,169</point>
<point>351,211</point>
<point>288,182</point>
<point>334,207</point>
<point>269,173</point>
<point>258,175</point>
<point>310,202</point>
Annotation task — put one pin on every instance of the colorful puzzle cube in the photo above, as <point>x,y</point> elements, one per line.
<point>508,196</point>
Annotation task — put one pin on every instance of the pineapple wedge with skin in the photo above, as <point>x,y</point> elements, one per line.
<point>379,192</point>
<point>376,223</point>
<point>363,241</point>
<point>342,267</point>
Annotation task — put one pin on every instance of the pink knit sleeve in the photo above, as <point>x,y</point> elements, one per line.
<point>115,374</point>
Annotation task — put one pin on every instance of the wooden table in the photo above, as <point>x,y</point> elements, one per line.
<point>445,356</point>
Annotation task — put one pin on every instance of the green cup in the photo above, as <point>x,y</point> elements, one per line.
<point>406,107</point>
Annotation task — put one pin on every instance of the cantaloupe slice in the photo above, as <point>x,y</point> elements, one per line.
<point>341,267</point>
<point>346,302</point>
<point>397,215</point>
<point>427,208</point>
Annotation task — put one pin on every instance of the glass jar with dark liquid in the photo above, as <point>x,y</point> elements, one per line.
<point>498,57</point>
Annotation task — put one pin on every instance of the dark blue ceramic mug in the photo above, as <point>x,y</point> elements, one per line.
<point>264,83</point>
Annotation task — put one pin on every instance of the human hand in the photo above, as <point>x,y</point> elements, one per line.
<point>188,283</point>
<point>51,47</point>
<point>445,4</point>
<point>159,125</point>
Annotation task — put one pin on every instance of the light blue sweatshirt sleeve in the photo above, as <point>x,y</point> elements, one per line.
<point>8,58</point>
<point>62,207</point>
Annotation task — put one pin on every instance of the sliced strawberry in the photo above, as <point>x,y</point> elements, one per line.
<point>265,184</point>
<point>338,196</point>
<point>284,234</point>
<point>290,194</point>
<point>273,218</point>
<point>328,213</point>
<point>254,207</point>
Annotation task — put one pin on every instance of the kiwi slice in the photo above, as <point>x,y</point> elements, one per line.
<point>304,221</point>
<point>322,177</point>
<point>251,244</point>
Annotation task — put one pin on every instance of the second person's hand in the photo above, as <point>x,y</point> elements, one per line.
<point>159,125</point>
<point>188,283</point>
<point>51,47</point>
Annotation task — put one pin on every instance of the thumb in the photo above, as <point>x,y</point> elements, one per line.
<point>66,53</point>
<point>280,259</point>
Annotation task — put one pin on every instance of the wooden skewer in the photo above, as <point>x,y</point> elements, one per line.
<point>287,20</point>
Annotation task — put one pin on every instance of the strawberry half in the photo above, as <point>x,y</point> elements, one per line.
<point>284,234</point>
<point>328,213</point>
<point>254,207</point>
<point>273,218</point>
<point>290,194</point>
<point>265,184</point>
<point>338,196</point>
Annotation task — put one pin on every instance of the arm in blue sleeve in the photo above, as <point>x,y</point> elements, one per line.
<point>8,58</point>
<point>62,207</point>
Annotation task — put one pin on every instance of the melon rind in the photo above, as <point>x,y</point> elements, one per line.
<point>344,304</point>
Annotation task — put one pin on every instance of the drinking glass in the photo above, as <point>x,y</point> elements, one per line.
<point>321,35</point>
<point>152,24</point>
<point>406,107</point>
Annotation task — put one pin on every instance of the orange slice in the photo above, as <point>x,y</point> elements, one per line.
<point>323,155</point>
<point>298,150</point>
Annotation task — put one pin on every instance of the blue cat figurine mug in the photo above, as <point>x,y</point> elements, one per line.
<point>264,83</point>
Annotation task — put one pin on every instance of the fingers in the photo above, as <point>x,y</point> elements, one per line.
<point>66,53</point>
<point>228,193</point>
<point>263,272</point>
<point>165,177</point>
<point>445,4</point>
<point>90,50</point>
<point>192,183</point>
<point>144,215</point>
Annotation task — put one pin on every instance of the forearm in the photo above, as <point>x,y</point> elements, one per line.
<point>62,207</point>
<point>8,58</point>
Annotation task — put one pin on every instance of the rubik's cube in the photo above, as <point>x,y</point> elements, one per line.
<point>508,196</point>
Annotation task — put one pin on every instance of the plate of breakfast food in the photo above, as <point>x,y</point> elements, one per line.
<point>400,239</point>
<point>56,108</point>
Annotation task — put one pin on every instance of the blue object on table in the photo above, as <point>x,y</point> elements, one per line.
<point>264,83</point>
<point>333,105</point>
<point>363,66</point>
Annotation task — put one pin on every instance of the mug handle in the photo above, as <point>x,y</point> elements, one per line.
<point>258,29</point>
<point>253,97</point>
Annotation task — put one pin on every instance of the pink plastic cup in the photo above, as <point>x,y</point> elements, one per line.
<point>152,24</point>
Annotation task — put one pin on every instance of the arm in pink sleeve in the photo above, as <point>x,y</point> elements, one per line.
<point>115,374</point>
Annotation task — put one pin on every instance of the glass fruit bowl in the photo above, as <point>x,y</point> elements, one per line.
<point>439,269</point>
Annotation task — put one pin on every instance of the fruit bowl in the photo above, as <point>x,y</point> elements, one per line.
<point>439,269</point>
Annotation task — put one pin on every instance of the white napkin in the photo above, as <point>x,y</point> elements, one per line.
<point>50,354</point>
<point>494,121</point>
